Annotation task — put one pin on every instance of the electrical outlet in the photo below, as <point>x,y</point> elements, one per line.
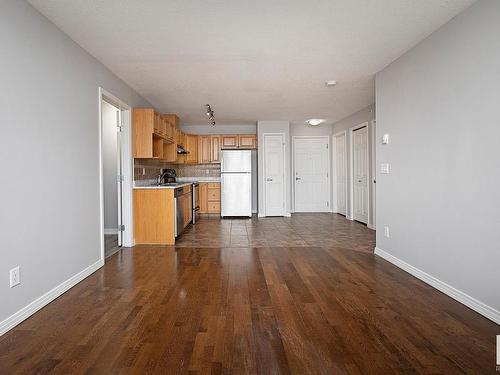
<point>15,277</point>
<point>387,234</point>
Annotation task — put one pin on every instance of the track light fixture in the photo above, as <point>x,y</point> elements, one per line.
<point>210,114</point>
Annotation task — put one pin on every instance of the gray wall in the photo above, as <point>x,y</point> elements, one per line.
<point>231,129</point>
<point>50,187</point>
<point>365,115</point>
<point>274,127</point>
<point>109,166</point>
<point>440,104</point>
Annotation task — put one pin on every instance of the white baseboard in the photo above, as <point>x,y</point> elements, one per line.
<point>110,231</point>
<point>478,306</point>
<point>46,298</point>
<point>261,215</point>
<point>371,226</point>
<point>288,214</point>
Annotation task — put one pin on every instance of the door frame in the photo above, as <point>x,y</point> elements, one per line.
<point>351,170</point>
<point>327,138</point>
<point>334,172</point>
<point>127,168</point>
<point>264,135</point>
<point>373,176</point>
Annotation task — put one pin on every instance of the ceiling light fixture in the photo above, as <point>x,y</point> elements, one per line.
<point>314,121</point>
<point>210,114</point>
<point>330,83</point>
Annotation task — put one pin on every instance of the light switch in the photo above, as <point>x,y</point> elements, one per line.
<point>385,168</point>
<point>385,139</point>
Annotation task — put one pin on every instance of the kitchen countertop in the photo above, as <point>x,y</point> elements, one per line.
<point>180,184</point>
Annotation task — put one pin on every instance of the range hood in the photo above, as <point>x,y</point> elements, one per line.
<point>181,150</point>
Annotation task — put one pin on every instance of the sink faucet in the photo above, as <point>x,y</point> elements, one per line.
<point>160,176</point>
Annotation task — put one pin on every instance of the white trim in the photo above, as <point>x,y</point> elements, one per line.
<point>285,211</point>
<point>335,208</point>
<point>327,137</point>
<point>478,306</point>
<point>261,215</point>
<point>48,297</point>
<point>127,168</point>
<point>373,174</point>
<point>110,230</point>
<point>351,171</point>
<point>370,226</point>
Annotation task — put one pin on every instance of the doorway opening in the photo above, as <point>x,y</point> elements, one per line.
<point>311,181</point>
<point>116,174</point>
<point>112,177</point>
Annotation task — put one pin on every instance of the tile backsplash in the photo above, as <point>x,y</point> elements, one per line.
<point>150,169</point>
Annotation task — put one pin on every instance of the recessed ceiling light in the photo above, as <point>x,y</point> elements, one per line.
<point>331,83</point>
<point>314,121</point>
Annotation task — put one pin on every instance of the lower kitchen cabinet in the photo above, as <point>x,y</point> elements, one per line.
<point>154,216</point>
<point>209,197</point>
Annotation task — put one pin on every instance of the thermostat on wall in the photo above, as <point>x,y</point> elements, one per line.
<point>385,139</point>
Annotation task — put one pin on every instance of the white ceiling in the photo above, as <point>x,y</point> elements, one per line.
<point>251,60</point>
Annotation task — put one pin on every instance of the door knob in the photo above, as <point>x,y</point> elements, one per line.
<point>269,179</point>
<point>297,178</point>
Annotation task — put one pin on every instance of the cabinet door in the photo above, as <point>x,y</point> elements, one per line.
<point>192,148</point>
<point>248,141</point>
<point>204,149</point>
<point>229,141</point>
<point>203,198</point>
<point>215,148</point>
<point>142,132</point>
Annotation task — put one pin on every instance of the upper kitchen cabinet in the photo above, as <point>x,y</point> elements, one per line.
<point>209,149</point>
<point>149,133</point>
<point>229,141</point>
<point>215,148</point>
<point>239,141</point>
<point>191,146</point>
<point>248,141</point>
<point>204,149</point>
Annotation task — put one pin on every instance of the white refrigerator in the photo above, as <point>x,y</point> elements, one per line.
<point>236,183</point>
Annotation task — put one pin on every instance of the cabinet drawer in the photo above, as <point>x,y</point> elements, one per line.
<point>213,195</point>
<point>213,185</point>
<point>213,207</point>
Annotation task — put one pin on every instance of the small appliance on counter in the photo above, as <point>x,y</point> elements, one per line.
<point>169,176</point>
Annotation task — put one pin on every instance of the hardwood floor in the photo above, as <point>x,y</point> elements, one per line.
<point>290,309</point>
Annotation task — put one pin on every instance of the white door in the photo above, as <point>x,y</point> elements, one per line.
<point>274,175</point>
<point>312,181</point>
<point>340,170</point>
<point>360,174</point>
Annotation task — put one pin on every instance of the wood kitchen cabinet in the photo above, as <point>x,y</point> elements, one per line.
<point>149,134</point>
<point>215,149</point>
<point>204,149</point>
<point>229,141</point>
<point>209,197</point>
<point>156,136</point>
<point>154,218</point>
<point>191,146</point>
<point>243,141</point>
<point>248,141</point>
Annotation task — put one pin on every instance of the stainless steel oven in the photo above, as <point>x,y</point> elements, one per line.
<point>195,189</point>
